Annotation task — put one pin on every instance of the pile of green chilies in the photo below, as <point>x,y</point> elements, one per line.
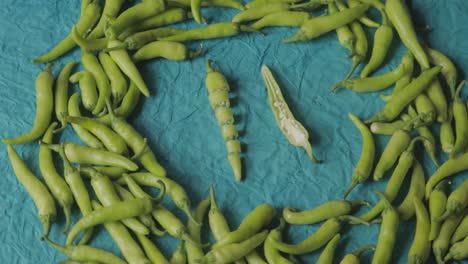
<point>113,41</point>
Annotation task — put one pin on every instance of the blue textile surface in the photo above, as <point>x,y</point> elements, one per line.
<point>182,130</point>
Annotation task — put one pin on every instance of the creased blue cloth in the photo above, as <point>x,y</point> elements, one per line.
<point>182,129</point>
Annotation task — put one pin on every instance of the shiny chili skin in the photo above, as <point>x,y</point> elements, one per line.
<point>140,39</point>
<point>416,191</point>
<point>461,232</point>
<point>399,141</point>
<point>89,94</point>
<point>326,257</point>
<point>460,116</point>
<point>441,244</point>
<point>152,252</point>
<point>61,93</point>
<point>85,136</point>
<point>109,12</point>
<point>449,71</point>
<point>272,255</point>
<point>345,36</point>
<point>421,247</point>
<point>388,232</point>
<point>457,202</point>
<point>259,12</point>
<point>437,203</point>
<point>91,64</point>
<point>118,82</point>
<point>282,19</point>
<point>165,49</point>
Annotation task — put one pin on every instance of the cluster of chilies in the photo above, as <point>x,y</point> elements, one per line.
<point>113,147</point>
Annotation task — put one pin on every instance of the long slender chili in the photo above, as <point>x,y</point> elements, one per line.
<point>118,82</point>
<point>294,131</point>
<point>44,108</point>
<point>259,12</point>
<point>272,255</point>
<point>218,95</point>
<point>140,39</point>
<point>37,190</point>
<point>165,49</point>
<point>365,164</point>
<point>449,71</point>
<point>221,3</point>
<point>195,252</point>
<point>457,202</point>
<point>460,116</point>
<point>437,203</point>
<point>89,94</point>
<point>388,232</point>
<point>438,99</point>
<point>441,244</point>
<point>152,252</point>
<point>447,137</point>
<point>424,131</point>
<point>399,141</point>
<point>109,12</point>
<point>326,257</point>
<point>61,93</point>
<point>91,64</point>
<point>345,36</point>
<point>416,191</point>
<point>461,232</point>
<point>85,136</point>
<point>57,185</point>
<point>421,247</point>
<point>282,18</point>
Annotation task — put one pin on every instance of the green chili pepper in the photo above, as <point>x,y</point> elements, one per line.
<point>132,16</point>
<point>424,131</point>
<point>87,20</point>
<point>85,155</point>
<point>460,116</point>
<point>234,251</point>
<point>165,49</point>
<point>125,63</point>
<point>294,131</point>
<point>179,256</point>
<point>61,94</point>
<point>421,247</point>
<point>152,252</point>
<point>424,106</point>
<point>117,80</point>
<point>456,202</point>
<point>196,252</point>
<point>318,26</point>
<point>138,40</point>
<point>56,184</point>
<point>400,100</point>
<point>388,232</point>
<point>407,123</point>
<point>271,253</point>
<point>450,167</point>
<point>87,253</point>
<point>315,241</point>
<point>461,232</point>
<point>218,224</point>
<point>259,12</point>
<point>84,4</point>
<point>416,191</point>
<point>173,189</point>
<point>89,95</point>
<point>458,251</point>
<point>447,137</point>
<point>344,33</point>
<point>399,141</point>
<point>83,134</point>
<point>169,16</point>
<point>44,108</point>
<point>218,30</point>
<point>114,173</point>
<point>377,83</point>
<point>89,44</point>
<point>283,18</point>
<point>221,3</point>
<point>441,244</point>
<point>75,182</point>
<point>321,213</point>
<point>400,17</point>
<point>109,12</point>
<point>257,3</point>
<point>120,210</point>
<point>326,257</point>
<point>91,64</point>
<point>254,258</point>
<point>353,258</point>
<point>218,95</point>
<point>124,240</point>
<point>195,6</point>
<point>382,40</point>
<point>366,162</point>
<point>137,143</point>
<point>129,103</point>
<point>37,190</point>
<point>405,80</point>
<point>437,97</point>
<point>405,162</point>
<point>437,204</point>
<point>449,71</point>
<point>110,139</point>
<point>258,218</point>
<point>364,19</point>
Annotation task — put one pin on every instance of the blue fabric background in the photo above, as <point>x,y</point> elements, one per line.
<point>183,131</point>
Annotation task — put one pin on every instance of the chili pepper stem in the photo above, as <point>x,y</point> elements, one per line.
<point>363,249</point>
<point>349,189</point>
<point>58,247</point>
<point>188,212</point>
<point>54,147</point>
<point>352,220</point>
<point>356,61</point>
<point>158,232</point>
<point>67,213</point>
<point>46,222</point>
<point>298,37</point>
<point>193,54</point>
<point>444,216</point>
<point>308,149</point>
<point>138,154</point>
<point>162,191</point>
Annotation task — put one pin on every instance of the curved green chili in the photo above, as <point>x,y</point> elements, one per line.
<point>272,255</point>
<point>118,83</point>
<point>283,18</point>
<point>110,139</point>
<point>221,3</point>
<point>132,16</point>
<point>326,257</point>
<point>195,252</point>
<point>83,134</point>
<point>57,186</point>
<point>234,251</point>
<point>89,44</point>
<point>447,137</point>
<point>44,108</point>
<point>37,190</point>
<point>321,213</point>
<point>406,123</point>
<point>61,93</point>
<point>441,244</point>
<point>259,12</point>
<point>450,167</point>
<point>405,80</point>
<point>388,232</point>
<point>458,251</point>
<point>399,141</point>
<point>139,39</point>
<point>345,36</point>
<point>460,117</point>
<point>457,201</point>
<point>195,6</point>
<point>382,40</point>
<point>152,252</point>
<point>294,131</point>
<point>400,100</point>
<point>257,3</point>
<point>80,193</point>
<point>449,71</point>
<point>165,49</point>
<point>318,26</point>
<point>124,240</point>
<point>437,97</point>
<point>364,19</point>
<point>218,224</point>
<point>461,232</point>
<point>366,162</point>
<point>218,30</point>
<point>91,64</point>
<point>254,258</point>
<point>353,257</point>
<point>416,191</point>
<point>87,253</point>
<point>87,20</point>
<point>89,95</point>
<point>258,218</point>
<point>421,247</point>
<point>109,12</point>
<point>437,204</point>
